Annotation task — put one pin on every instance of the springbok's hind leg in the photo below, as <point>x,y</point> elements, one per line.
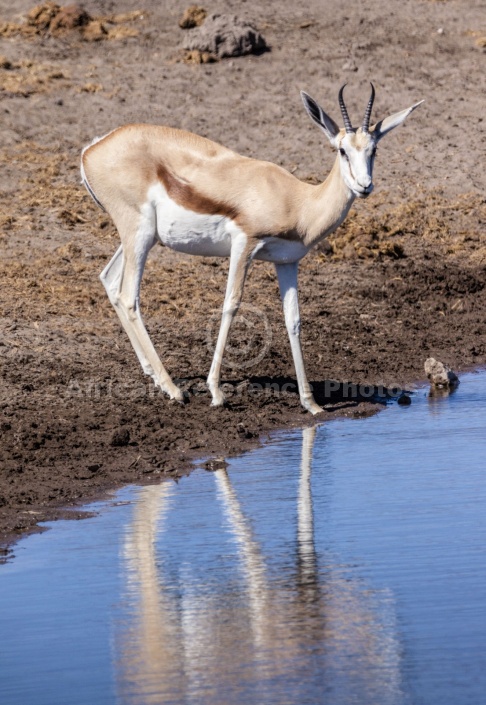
<point>122,279</point>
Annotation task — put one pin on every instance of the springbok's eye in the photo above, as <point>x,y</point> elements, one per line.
<point>342,152</point>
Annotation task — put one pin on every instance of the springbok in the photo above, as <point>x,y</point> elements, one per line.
<point>195,196</point>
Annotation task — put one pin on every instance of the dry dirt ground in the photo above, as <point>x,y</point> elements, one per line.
<point>402,279</point>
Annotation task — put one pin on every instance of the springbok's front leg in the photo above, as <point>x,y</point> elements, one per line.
<point>242,253</point>
<point>287,279</point>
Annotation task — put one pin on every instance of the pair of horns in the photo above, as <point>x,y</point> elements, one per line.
<point>366,120</point>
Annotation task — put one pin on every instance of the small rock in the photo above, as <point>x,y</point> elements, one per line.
<point>325,247</point>
<point>439,375</point>
<point>244,432</point>
<point>404,400</point>
<point>120,438</point>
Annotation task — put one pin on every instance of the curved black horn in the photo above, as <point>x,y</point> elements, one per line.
<point>366,120</point>
<point>344,112</point>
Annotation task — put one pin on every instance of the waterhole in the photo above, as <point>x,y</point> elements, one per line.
<point>341,564</point>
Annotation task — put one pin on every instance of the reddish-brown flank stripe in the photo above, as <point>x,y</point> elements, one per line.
<point>186,195</point>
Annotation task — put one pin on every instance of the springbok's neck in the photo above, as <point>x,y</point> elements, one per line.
<point>327,206</point>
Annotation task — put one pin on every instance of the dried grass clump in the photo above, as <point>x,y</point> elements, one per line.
<point>49,18</point>
<point>45,191</point>
<point>54,18</point>
<point>479,37</point>
<point>23,78</point>
<point>198,57</point>
<point>432,224</point>
<point>193,16</point>
<point>49,203</point>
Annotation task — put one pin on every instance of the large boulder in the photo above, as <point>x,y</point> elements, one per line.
<point>224,36</point>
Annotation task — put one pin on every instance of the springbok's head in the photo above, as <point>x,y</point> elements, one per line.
<point>356,146</point>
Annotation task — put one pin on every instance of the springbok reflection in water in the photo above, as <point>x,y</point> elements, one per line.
<point>247,627</point>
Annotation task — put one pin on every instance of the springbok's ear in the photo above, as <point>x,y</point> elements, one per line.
<point>317,114</point>
<point>389,123</point>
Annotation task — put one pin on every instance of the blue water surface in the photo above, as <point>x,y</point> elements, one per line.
<point>343,564</point>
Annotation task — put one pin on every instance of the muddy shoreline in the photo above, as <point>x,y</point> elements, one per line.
<point>73,431</point>
<point>404,278</point>
<point>98,484</point>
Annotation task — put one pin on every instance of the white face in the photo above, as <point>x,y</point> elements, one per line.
<point>357,152</point>
<point>356,147</point>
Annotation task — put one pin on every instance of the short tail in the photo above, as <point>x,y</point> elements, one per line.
<point>84,180</point>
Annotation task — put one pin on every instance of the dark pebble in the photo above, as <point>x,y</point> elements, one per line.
<point>120,438</point>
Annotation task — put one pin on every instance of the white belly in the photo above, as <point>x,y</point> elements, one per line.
<point>210,235</point>
<point>185,231</point>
